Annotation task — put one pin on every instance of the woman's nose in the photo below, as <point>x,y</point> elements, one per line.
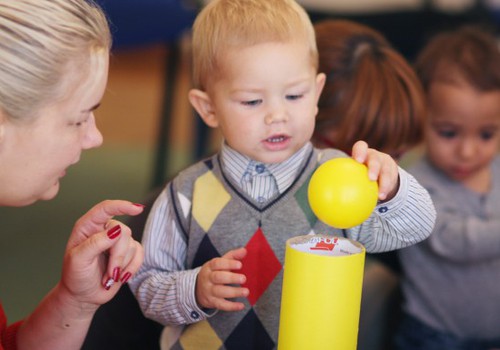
<point>93,137</point>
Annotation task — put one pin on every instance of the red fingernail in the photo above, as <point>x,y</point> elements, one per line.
<point>116,273</point>
<point>139,205</point>
<point>109,283</point>
<point>114,231</point>
<point>126,277</point>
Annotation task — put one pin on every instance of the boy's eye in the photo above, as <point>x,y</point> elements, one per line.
<point>447,134</point>
<point>487,135</point>
<point>251,103</point>
<point>293,97</point>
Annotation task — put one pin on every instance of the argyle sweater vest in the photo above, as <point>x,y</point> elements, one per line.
<point>220,218</point>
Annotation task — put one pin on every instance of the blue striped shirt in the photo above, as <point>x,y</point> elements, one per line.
<point>165,288</point>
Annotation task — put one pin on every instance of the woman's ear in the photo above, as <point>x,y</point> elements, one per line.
<point>202,103</point>
<point>3,120</point>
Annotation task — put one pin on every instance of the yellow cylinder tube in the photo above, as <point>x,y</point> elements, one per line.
<point>321,295</point>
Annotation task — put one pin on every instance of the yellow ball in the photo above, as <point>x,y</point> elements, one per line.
<point>341,194</point>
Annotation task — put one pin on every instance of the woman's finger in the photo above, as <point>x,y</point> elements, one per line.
<point>97,244</point>
<point>97,217</point>
<point>137,256</point>
<point>119,250</point>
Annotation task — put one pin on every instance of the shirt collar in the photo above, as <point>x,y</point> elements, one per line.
<point>235,164</point>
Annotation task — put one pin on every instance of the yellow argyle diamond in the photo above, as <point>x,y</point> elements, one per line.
<point>200,336</point>
<point>209,198</point>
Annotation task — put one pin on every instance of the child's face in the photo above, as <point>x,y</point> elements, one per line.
<point>463,133</point>
<point>265,101</point>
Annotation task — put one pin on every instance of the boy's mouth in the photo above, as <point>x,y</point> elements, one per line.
<point>276,139</point>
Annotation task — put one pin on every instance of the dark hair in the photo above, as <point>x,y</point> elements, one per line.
<point>469,54</point>
<point>371,93</point>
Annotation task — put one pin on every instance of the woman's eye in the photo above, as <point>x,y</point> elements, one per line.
<point>252,102</point>
<point>80,122</point>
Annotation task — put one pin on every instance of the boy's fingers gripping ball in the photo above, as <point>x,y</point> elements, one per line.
<point>341,194</point>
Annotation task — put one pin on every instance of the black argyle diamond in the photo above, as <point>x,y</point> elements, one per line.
<point>206,251</point>
<point>250,334</point>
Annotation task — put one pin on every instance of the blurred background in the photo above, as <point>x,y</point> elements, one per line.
<point>150,132</point>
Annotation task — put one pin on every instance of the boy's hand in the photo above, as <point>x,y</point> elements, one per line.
<point>213,284</point>
<point>381,168</point>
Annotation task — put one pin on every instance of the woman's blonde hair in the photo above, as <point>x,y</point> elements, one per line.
<point>230,24</point>
<point>39,41</point>
<point>371,93</point>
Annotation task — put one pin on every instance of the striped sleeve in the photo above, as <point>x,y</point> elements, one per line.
<point>164,289</point>
<point>406,219</point>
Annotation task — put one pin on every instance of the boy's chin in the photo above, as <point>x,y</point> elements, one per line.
<point>274,158</point>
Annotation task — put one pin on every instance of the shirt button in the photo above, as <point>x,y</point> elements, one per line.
<point>261,199</point>
<point>195,315</point>
<point>383,209</point>
<point>260,168</point>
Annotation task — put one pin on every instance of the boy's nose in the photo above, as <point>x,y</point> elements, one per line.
<point>276,115</point>
<point>468,148</point>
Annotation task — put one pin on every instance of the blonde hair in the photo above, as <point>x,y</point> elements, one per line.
<point>39,41</point>
<point>233,24</point>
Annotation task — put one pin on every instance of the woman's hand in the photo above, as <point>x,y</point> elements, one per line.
<point>100,255</point>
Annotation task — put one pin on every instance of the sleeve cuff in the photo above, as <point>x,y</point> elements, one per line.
<point>385,208</point>
<point>193,312</point>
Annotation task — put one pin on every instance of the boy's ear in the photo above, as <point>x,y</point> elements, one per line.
<point>320,84</point>
<point>202,103</point>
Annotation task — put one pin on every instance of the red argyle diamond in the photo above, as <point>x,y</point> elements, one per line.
<point>260,266</point>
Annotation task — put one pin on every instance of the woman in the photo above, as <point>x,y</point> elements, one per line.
<point>371,92</point>
<point>53,72</point>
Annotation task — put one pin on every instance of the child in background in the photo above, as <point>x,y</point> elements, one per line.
<point>371,93</point>
<point>215,238</point>
<point>450,284</point>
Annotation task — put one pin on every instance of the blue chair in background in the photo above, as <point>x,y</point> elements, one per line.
<point>136,23</point>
